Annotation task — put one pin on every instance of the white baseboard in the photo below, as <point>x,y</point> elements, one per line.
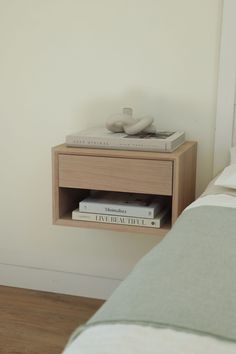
<point>57,281</point>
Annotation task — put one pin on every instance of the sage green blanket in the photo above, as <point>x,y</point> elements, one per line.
<point>187,282</point>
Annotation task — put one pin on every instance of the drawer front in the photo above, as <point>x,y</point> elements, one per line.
<point>116,174</point>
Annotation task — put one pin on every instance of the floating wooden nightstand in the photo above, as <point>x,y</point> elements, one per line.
<point>76,171</point>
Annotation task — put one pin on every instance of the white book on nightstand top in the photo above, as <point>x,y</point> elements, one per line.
<point>102,138</point>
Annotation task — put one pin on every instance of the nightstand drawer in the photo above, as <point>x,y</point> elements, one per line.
<point>117,174</point>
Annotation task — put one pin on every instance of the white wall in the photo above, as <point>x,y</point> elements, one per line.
<point>66,65</point>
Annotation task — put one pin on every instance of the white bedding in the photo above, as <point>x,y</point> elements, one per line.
<point>222,200</point>
<point>136,339</point>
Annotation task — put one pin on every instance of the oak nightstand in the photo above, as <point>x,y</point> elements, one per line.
<point>76,171</point>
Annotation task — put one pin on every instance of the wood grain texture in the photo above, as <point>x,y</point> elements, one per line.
<point>35,322</point>
<point>117,174</point>
<point>55,186</point>
<point>147,155</point>
<point>184,181</point>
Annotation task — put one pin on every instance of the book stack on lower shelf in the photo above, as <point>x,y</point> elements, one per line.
<point>123,209</point>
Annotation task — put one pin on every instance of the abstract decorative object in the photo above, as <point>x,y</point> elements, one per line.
<point>125,122</point>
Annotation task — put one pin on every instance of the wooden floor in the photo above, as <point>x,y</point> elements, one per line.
<point>34,322</point>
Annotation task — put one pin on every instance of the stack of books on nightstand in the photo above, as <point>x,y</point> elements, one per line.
<point>123,208</point>
<point>101,138</point>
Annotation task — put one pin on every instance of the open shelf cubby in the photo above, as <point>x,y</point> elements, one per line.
<point>69,199</point>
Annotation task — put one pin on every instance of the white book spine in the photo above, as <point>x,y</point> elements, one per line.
<point>121,210</point>
<point>105,141</point>
<point>119,144</point>
<point>121,220</point>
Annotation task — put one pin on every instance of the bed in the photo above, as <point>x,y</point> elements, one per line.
<point>181,297</point>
